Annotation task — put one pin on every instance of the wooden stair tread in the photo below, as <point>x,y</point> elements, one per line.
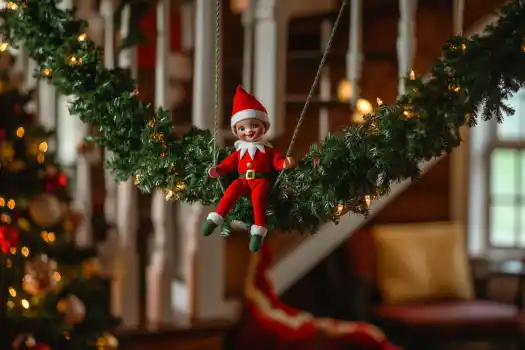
<point>316,101</point>
<point>329,15</point>
<point>304,55</point>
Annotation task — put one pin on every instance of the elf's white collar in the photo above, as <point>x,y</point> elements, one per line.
<point>251,147</point>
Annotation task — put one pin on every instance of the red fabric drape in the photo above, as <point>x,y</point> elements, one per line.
<point>148,25</point>
<point>269,324</point>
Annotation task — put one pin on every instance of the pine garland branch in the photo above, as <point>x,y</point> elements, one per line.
<point>340,175</point>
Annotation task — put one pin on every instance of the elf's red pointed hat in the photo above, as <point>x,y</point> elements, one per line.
<point>246,106</point>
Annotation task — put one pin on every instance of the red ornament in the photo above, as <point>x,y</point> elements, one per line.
<point>62,180</point>
<point>163,154</point>
<point>316,162</point>
<point>8,238</point>
<point>136,91</point>
<point>2,134</point>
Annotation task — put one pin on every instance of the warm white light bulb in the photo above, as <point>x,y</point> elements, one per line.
<point>345,91</point>
<point>364,106</point>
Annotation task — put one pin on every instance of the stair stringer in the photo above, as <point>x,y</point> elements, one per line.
<point>310,252</point>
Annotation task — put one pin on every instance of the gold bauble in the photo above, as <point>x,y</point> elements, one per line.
<point>73,308</point>
<point>107,342</point>
<point>39,275</point>
<point>45,210</point>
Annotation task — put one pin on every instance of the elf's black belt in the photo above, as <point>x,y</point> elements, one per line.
<point>251,174</point>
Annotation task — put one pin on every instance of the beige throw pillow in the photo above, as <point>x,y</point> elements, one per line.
<point>422,262</point>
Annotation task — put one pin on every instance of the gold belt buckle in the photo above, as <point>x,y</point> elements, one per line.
<point>250,174</point>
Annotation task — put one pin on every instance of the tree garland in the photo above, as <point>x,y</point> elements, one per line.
<point>340,175</point>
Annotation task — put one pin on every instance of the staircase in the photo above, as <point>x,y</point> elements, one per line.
<point>297,257</point>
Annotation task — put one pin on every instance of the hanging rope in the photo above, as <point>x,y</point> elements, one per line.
<point>314,85</point>
<point>216,112</point>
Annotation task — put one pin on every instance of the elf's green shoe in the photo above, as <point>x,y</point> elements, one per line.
<point>225,229</point>
<point>208,227</point>
<point>256,242</point>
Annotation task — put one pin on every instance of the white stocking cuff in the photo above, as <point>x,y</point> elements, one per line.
<point>216,218</point>
<point>258,231</point>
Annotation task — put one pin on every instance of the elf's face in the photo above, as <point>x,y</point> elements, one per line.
<point>250,130</point>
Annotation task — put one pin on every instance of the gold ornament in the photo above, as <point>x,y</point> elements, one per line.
<point>159,137</point>
<point>40,275</point>
<point>74,60</point>
<point>73,308</point>
<point>107,342</point>
<point>137,179</point>
<point>45,210</point>
<point>170,194</point>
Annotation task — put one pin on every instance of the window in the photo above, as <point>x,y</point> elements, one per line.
<point>506,190</point>
<point>497,183</point>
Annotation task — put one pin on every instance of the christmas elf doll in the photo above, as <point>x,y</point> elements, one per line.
<point>254,159</point>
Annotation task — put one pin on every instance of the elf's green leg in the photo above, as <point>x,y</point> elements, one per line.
<point>257,234</point>
<point>212,221</point>
<point>256,243</point>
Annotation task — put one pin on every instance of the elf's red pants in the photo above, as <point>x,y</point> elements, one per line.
<point>257,188</point>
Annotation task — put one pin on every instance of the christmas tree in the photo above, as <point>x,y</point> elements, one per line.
<point>54,295</point>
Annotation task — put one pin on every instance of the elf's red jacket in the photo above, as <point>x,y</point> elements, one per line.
<point>253,161</point>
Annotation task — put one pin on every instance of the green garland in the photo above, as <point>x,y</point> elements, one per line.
<point>332,178</point>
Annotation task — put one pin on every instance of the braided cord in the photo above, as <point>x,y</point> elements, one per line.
<point>216,112</point>
<point>314,85</point>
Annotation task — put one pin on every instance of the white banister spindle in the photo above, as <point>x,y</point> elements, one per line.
<point>248,22</point>
<point>406,41</point>
<point>47,104</point>
<point>107,249</point>
<point>354,56</point>
<point>86,10</point>
<point>325,85</point>
<point>460,157</point>
<point>459,15</point>
<point>271,37</point>
<point>160,270</point>
<point>70,132</point>
<point>187,16</point>
<point>126,268</point>
<point>31,81</point>
<point>46,101</point>
<point>199,293</point>
<point>204,66</point>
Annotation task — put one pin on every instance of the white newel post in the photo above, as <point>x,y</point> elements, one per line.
<point>201,294</point>
<point>160,270</point>
<point>271,37</point>
<point>248,22</point>
<point>126,268</point>
<point>460,157</point>
<point>406,41</point>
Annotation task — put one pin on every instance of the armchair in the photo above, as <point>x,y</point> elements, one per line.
<point>422,318</point>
